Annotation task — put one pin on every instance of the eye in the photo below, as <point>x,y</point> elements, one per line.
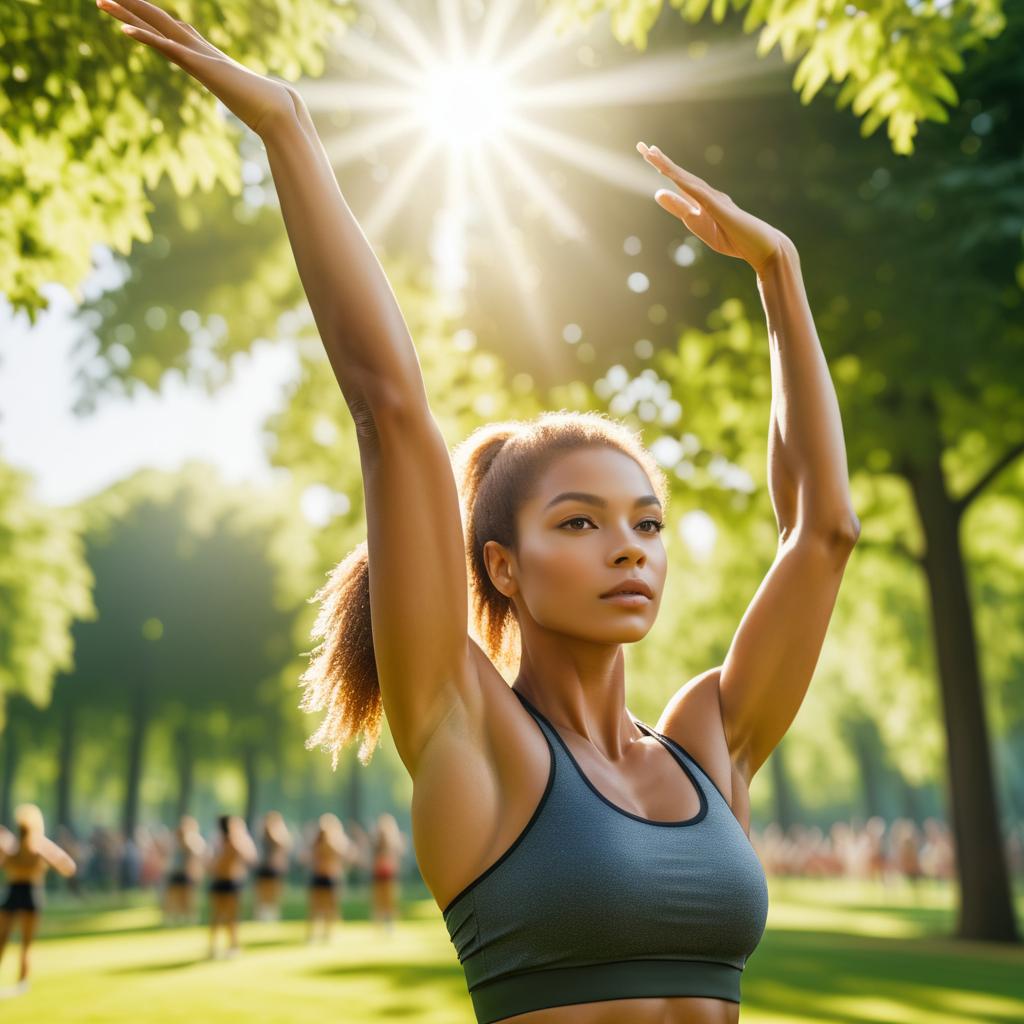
<point>576,519</point>
<point>657,525</point>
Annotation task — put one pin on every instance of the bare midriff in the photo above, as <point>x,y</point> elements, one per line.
<point>675,1010</point>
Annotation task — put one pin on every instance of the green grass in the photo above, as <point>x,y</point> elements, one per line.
<point>832,953</point>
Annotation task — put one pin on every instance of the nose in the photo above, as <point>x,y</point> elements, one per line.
<point>630,553</point>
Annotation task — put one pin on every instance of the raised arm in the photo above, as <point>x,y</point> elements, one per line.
<point>243,844</point>
<point>355,310</point>
<point>57,858</point>
<point>418,587</point>
<point>8,843</point>
<point>768,667</point>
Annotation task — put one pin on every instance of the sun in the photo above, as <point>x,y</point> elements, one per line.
<point>465,104</point>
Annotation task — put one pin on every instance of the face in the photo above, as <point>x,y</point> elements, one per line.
<point>574,549</point>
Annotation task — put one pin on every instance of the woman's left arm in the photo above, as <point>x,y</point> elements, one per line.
<point>769,664</point>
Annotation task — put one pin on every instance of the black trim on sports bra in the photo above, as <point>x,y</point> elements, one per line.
<point>696,819</point>
<point>679,746</point>
<point>526,828</point>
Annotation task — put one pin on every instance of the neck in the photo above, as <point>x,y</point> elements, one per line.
<point>583,691</point>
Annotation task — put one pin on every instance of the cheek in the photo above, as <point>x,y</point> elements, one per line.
<point>560,575</point>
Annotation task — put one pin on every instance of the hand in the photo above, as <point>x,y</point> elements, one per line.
<point>713,217</point>
<point>254,99</point>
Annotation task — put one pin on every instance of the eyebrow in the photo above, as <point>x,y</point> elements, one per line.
<point>593,499</point>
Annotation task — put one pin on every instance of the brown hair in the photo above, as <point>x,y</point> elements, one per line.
<point>497,469</point>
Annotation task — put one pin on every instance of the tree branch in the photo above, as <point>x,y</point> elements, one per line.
<point>988,476</point>
<point>892,545</point>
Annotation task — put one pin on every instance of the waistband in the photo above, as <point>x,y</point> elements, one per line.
<point>621,979</point>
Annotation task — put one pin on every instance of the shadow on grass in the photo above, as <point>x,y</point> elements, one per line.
<point>152,968</point>
<point>437,982</point>
<point>174,965</point>
<point>820,976</point>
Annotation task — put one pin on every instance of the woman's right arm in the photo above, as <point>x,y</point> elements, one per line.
<point>418,587</point>
<point>417,557</point>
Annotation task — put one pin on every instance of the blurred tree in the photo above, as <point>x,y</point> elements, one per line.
<point>91,118</point>
<point>217,275</point>
<point>44,586</point>
<point>893,57</point>
<point>197,587</point>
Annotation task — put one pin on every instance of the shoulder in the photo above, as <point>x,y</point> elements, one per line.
<point>693,718</point>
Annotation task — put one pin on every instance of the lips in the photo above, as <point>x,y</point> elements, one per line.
<point>631,586</point>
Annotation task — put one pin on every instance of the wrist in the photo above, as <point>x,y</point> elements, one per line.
<point>784,259</point>
<point>282,116</point>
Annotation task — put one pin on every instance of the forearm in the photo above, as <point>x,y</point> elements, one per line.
<point>807,469</point>
<point>359,320</point>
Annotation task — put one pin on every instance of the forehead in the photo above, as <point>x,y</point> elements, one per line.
<point>605,472</point>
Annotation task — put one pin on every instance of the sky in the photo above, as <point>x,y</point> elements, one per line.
<point>71,457</point>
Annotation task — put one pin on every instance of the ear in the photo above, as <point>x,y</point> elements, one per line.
<point>500,567</point>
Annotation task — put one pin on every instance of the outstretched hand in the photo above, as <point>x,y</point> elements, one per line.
<point>252,98</point>
<point>712,215</point>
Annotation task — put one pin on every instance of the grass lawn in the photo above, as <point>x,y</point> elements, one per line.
<point>837,953</point>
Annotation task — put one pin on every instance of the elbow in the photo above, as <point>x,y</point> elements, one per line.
<point>843,533</point>
<point>837,534</point>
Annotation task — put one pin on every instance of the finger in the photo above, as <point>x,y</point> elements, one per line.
<point>157,19</point>
<point>174,51</point>
<point>682,177</point>
<point>117,11</point>
<point>697,219</point>
<point>678,203</point>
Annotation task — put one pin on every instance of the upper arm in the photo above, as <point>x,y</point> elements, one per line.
<point>56,857</point>
<point>769,665</point>
<point>693,718</point>
<point>419,602</point>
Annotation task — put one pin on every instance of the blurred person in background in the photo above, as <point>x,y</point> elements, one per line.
<point>277,842</point>
<point>186,870</point>
<point>331,852</point>
<point>229,867</point>
<point>388,845</point>
<point>26,859</point>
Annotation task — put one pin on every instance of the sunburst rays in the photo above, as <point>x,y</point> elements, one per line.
<point>467,103</point>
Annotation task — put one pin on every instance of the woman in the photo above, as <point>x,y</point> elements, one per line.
<point>330,853</point>
<point>228,871</point>
<point>277,842</point>
<point>388,847</point>
<point>590,868</point>
<point>185,872</point>
<point>25,859</point>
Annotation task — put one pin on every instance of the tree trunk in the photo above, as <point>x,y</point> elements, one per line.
<point>909,799</point>
<point>986,909</point>
<point>10,738</point>
<point>185,769</point>
<point>354,796</point>
<point>136,751</point>
<point>786,812</point>
<point>251,787</point>
<point>66,763</point>
<point>862,735</point>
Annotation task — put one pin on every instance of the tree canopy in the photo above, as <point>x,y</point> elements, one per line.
<point>893,58</point>
<point>89,120</point>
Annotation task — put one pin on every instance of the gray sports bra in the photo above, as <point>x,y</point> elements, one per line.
<point>592,902</point>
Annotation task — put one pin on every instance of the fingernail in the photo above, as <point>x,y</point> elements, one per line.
<point>655,150</point>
